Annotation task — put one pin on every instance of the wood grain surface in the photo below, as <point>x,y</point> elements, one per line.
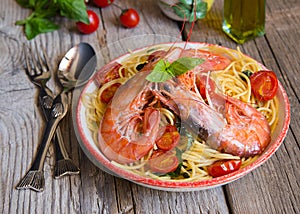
<point>271,188</point>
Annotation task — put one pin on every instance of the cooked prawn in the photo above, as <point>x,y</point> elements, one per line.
<point>247,132</point>
<point>128,128</point>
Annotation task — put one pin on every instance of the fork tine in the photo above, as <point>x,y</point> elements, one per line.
<point>43,59</point>
<point>37,66</point>
<point>28,65</point>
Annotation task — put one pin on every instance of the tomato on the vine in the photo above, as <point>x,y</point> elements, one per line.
<point>221,168</point>
<point>103,3</point>
<point>92,26</point>
<point>129,18</point>
<point>264,85</point>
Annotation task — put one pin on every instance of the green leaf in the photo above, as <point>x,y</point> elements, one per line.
<point>164,71</point>
<point>187,2</point>
<point>184,64</point>
<point>35,26</point>
<point>182,10</point>
<point>74,9</point>
<point>160,72</point>
<point>191,10</point>
<point>201,9</point>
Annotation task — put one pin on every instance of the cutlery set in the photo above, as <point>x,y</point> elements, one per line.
<point>80,58</point>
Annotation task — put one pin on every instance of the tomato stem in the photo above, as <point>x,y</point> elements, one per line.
<point>114,4</point>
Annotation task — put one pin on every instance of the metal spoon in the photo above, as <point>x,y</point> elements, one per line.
<point>74,70</point>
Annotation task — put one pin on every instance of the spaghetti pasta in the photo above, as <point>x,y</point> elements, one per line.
<point>196,155</point>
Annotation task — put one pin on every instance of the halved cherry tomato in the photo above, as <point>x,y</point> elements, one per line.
<point>109,93</point>
<point>103,3</point>
<point>129,18</point>
<point>169,139</point>
<point>221,168</point>
<point>162,162</point>
<point>201,82</point>
<point>264,85</point>
<point>92,26</point>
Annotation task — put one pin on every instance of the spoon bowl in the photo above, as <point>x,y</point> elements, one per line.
<point>77,66</point>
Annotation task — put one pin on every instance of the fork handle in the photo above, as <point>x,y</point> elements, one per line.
<point>58,111</point>
<point>64,165</point>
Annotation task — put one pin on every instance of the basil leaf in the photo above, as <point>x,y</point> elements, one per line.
<point>201,9</point>
<point>184,64</point>
<point>191,9</point>
<point>73,9</point>
<point>160,72</point>
<point>182,10</point>
<point>35,26</point>
<point>187,2</point>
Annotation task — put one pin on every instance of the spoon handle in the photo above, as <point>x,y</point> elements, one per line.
<point>34,179</point>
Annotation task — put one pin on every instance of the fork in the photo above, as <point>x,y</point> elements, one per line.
<point>37,70</point>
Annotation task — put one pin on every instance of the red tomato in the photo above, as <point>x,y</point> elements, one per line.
<point>201,84</point>
<point>109,93</point>
<point>221,168</point>
<point>169,139</point>
<point>162,162</point>
<point>92,26</point>
<point>103,3</point>
<point>264,85</point>
<point>129,18</point>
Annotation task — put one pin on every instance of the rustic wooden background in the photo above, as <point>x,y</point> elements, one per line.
<point>272,188</point>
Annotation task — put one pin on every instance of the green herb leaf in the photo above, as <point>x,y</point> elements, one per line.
<point>35,26</point>
<point>184,64</point>
<point>39,22</point>
<point>182,10</point>
<point>201,9</point>
<point>191,10</point>
<point>160,73</point>
<point>164,71</point>
<point>186,2</point>
<point>74,9</point>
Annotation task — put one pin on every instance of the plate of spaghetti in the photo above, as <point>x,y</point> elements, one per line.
<point>182,116</point>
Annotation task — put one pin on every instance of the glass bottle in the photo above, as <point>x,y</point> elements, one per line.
<point>244,19</point>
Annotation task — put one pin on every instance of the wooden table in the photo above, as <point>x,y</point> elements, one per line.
<point>271,188</point>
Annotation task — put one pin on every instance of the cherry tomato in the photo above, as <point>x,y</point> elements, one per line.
<point>92,26</point>
<point>221,168</point>
<point>264,85</point>
<point>103,3</point>
<point>109,93</point>
<point>129,18</point>
<point>169,139</point>
<point>162,162</point>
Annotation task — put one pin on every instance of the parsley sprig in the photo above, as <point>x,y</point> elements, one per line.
<point>43,12</point>
<point>164,70</point>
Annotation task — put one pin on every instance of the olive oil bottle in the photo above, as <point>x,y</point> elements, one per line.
<point>244,19</point>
